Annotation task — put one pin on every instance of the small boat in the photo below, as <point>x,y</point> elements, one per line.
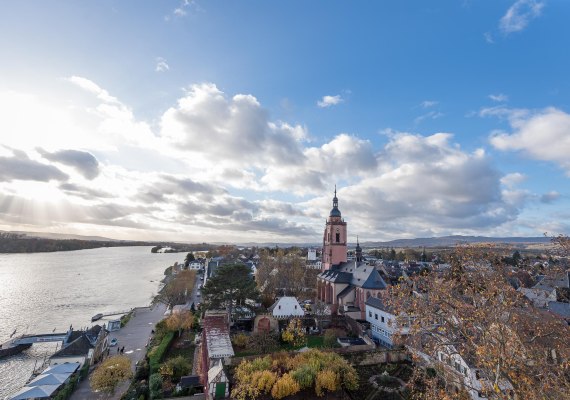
<point>96,317</point>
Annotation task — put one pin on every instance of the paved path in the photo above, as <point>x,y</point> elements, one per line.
<point>134,336</point>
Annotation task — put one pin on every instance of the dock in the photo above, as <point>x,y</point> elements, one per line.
<point>97,317</point>
<point>23,342</point>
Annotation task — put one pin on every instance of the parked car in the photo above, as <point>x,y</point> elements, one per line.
<point>113,342</point>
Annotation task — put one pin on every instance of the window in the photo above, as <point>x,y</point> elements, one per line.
<point>370,314</point>
<point>280,307</point>
<point>375,316</point>
<point>295,307</point>
<point>382,318</point>
<point>337,237</point>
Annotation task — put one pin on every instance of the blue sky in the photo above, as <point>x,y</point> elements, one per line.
<point>233,121</point>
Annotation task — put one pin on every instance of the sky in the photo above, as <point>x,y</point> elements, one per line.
<point>232,121</point>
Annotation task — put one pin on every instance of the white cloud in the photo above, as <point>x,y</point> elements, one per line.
<point>499,98</point>
<point>425,184</point>
<point>161,65</point>
<point>489,37</point>
<point>429,115</point>
<point>519,15</point>
<point>93,88</point>
<point>543,135</point>
<point>429,103</point>
<point>233,130</point>
<point>513,179</point>
<point>218,167</point>
<point>183,7</point>
<point>328,101</point>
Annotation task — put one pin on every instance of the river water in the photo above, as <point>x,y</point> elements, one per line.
<point>43,292</point>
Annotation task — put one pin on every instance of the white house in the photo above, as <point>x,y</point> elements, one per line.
<point>383,323</point>
<point>195,265</point>
<point>463,375</point>
<point>287,307</point>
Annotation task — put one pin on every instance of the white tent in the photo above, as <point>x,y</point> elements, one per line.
<point>50,379</point>
<point>62,368</point>
<point>35,392</point>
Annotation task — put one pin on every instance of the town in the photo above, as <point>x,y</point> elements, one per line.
<point>470,322</point>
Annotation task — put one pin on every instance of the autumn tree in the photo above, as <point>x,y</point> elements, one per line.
<point>179,321</point>
<point>281,274</point>
<point>178,289</point>
<point>472,310</point>
<point>230,286</point>
<point>110,373</point>
<point>294,333</point>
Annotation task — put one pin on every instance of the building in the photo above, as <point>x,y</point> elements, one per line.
<point>216,348</point>
<point>334,238</point>
<point>83,347</point>
<point>385,326</point>
<point>345,285</point>
<point>287,307</point>
<point>312,255</point>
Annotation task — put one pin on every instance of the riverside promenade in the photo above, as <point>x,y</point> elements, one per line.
<point>134,336</point>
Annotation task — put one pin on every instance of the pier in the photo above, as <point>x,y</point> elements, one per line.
<point>23,342</point>
<point>97,317</point>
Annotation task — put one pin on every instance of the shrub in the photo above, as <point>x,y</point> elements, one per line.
<point>155,386</point>
<point>157,353</point>
<point>330,337</point>
<point>240,340</point>
<point>179,366</point>
<point>142,371</point>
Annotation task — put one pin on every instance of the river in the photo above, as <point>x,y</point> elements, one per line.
<point>43,292</point>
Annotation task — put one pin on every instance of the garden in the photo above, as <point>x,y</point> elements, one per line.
<point>293,337</point>
<point>169,357</point>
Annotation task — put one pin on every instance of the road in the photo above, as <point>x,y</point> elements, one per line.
<point>134,337</point>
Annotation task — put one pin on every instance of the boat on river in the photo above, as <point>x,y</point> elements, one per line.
<point>96,317</point>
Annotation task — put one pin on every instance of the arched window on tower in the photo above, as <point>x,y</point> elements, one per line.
<point>337,237</point>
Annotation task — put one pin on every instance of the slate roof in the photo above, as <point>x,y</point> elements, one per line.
<point>357,274</point>
<point>379,304</point>
<point>559,308</point>
<point>217,332</point>
<point>336,276</point>
<point>345,291</point>
<point>79,347</point>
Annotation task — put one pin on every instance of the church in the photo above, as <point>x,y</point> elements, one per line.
<point>345,285</point>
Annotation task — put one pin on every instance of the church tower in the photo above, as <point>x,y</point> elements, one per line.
<point>334,238</point>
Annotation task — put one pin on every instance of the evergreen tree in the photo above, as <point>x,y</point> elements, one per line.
<point>231,285</point>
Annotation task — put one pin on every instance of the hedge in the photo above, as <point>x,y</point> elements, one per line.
<point>156,355</point>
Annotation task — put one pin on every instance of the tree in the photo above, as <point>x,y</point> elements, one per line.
<point>180,321</point>
<point>110,373</point>
<point>294,333</point>
<point>178,289</point>
<point>231,285</point>
<point>189,258</point>
<point>473,311</point>
<point>282,274</point>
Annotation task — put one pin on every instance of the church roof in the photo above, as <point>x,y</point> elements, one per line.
<point>354,273</point>
<point>363,275</point>
<point>336,276</point>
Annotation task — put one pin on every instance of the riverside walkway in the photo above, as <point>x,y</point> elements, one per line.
<point>134,337</point>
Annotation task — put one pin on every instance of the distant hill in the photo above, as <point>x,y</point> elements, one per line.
<point>447,241</point>
<point>63,236</point>
<point>443,241</point>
